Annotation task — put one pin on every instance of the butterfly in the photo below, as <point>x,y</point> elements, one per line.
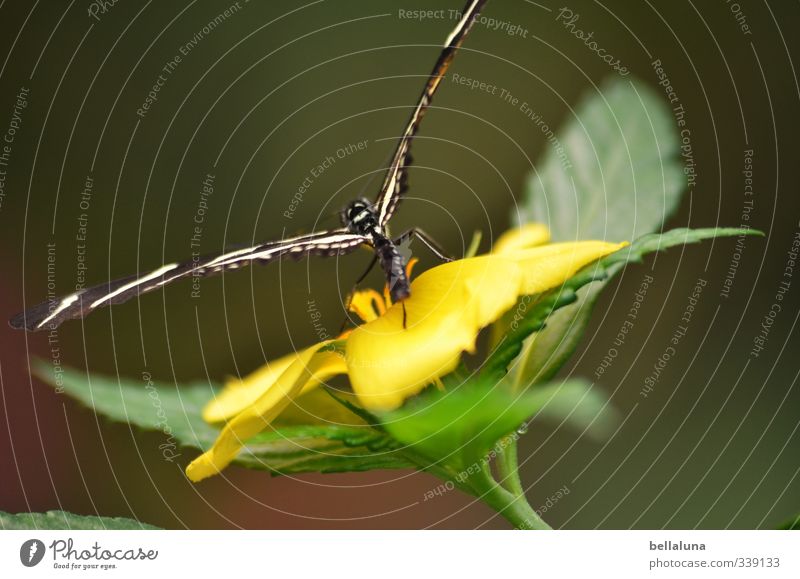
<point>364,223</point>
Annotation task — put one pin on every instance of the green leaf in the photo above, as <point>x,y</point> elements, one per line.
<point>143,402</point>
<point>290,447</point>
<point>61,520</point>
<point>577,403</point>
<point>459,427</point>
<point>534,318</point>
<point>544,352</point>
<point>321,448</point>
<point>624,180</point>
<point>619,175</point>
<point>548,349</point>
<point>676,237</point>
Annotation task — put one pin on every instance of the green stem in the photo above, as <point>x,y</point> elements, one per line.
<point>514,508</point>
<point>508,469</point>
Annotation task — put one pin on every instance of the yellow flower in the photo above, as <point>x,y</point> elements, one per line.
<point>252,404</point>
<point>387,363</point>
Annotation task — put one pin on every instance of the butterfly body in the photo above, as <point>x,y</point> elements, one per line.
<point>361,217</point>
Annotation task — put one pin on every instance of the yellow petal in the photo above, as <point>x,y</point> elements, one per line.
<point>240,394</point>
<point>367,304</point>
<point>522,237</point>
<point>318,407</point>
<point>308,365</point>
<point>551,265</point>
<point>447,308</point>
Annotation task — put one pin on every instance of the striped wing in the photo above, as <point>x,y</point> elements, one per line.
<point>395,183</point>
<point>50,314</point>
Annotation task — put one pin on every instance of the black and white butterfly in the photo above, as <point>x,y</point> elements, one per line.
<point>363,224</point>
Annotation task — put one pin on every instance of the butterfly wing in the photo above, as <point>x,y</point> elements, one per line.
<point>50,314</point>
<point>396,181</point>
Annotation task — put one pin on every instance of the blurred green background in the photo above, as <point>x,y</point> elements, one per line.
<point>264,98</point>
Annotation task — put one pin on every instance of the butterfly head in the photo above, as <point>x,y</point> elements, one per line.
<point>359,216</point>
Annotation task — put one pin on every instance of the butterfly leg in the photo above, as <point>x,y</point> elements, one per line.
<point>366,273</point>
<point>427,240</point>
